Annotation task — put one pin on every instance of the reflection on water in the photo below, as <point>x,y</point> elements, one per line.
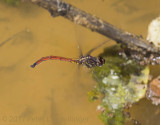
<point>55,93</point>
<point>24,33</point>
<point>125,7</point>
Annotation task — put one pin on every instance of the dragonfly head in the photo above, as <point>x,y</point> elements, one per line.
<point>100,61</point>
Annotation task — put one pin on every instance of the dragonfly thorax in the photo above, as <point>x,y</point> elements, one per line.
<point>90,61</point>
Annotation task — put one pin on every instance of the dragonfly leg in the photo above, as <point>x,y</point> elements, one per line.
<point>93,49</point>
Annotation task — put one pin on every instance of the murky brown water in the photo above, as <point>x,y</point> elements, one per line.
<point>55,93</point>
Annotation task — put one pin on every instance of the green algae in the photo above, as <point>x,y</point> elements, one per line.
<point>109,118</point>
<point>12,2</point>
<point>120,82</point>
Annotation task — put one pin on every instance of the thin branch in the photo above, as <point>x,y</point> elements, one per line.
<point>57,7</point>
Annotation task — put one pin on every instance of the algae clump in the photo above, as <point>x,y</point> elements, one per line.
<point>120,82</point>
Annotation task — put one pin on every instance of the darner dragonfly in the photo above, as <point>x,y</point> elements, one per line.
<point>88,60</point>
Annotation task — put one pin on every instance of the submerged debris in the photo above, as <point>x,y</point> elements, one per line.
<point>154,91</point>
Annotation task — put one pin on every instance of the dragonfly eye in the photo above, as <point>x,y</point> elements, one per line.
<point>101,61</point>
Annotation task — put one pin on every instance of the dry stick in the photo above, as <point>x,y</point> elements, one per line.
<point>59,8</point>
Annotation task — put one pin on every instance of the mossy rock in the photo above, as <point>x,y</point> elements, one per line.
<point>120,81</point>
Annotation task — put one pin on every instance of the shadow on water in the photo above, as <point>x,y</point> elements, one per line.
<point>54,115</point>
<point>22,35</point>
<point>145,112</point>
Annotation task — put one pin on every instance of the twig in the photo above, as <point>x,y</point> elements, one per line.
<point>137,45</point>
<point>95,24</point>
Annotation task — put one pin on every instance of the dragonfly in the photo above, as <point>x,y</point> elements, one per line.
<point>87,60</point>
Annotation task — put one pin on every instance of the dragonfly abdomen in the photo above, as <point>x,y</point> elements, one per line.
<point>55,58</point>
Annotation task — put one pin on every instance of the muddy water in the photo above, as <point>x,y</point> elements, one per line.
<point>55,93</point>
